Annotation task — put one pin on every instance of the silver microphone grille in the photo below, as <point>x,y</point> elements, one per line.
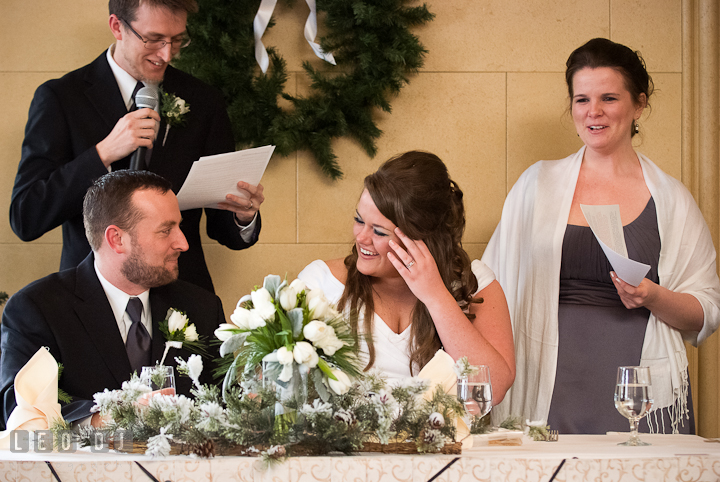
<point>146,97</point>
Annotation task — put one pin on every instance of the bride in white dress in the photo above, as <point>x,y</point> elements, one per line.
<point>408,282</point>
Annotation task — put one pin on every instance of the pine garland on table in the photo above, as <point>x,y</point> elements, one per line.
<point>375,53</point>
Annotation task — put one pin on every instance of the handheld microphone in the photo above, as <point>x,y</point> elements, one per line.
<point>145,97</point>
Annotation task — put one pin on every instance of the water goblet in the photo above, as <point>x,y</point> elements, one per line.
<point>160,379</point>
<point>633,398</point>
<point>475,391</point>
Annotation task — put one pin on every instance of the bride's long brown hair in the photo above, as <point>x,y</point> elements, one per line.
<point>415,192</point>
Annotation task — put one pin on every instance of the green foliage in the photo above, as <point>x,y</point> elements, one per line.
<point>371,43</point>
<point>512,423</point>
<point>63,396</point>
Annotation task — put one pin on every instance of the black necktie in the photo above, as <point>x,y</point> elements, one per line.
<point>138,86</point>
<point>138,339</point>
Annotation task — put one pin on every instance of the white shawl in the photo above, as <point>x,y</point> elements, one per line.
<point>525,254</point>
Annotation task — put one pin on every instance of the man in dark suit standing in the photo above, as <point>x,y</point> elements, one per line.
<point>82,125</point>
<point>84,315</point>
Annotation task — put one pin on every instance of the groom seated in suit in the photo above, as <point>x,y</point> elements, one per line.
<point>84,124</point>
<point>84,315</point>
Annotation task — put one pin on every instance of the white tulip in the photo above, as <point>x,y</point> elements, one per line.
<point>320,306</point>
<point>246,319</point>
<point>289,294</point>
<point>316,330</point>
<point>191,333</point>
<point>330,343</point>
<point>284,356</point>
<point>223,333</point>
<point>288,298</point>
<point>263,304</point>
<point>304,353</point>
<point>342,384</point>
<point>176,321</point>
<point>298,285</point>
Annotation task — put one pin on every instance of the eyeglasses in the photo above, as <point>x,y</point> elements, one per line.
<point>180,43</point>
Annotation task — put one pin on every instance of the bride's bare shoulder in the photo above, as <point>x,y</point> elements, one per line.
<point>337,268</point>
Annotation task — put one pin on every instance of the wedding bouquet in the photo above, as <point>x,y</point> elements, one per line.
<point>292,334</point>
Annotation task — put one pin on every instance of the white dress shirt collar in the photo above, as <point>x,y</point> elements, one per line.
<point>118,302</point>
<point>125,81</point>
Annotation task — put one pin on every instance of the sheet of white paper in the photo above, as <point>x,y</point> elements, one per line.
<point>211,178</point>
<point>607,227</point>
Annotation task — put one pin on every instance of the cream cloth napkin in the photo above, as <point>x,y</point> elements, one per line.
<point>36,393</point>
<point>439,371</point>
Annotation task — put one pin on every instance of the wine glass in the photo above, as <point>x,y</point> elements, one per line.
<point>475,391</point>
<point>633,398</point>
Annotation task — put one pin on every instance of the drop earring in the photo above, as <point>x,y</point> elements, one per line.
<point>637,127</point>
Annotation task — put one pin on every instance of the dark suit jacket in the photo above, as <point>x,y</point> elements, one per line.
<point>69,116</point>
<point>69,313</point>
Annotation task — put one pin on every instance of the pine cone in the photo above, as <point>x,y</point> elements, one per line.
<point>206,449</point>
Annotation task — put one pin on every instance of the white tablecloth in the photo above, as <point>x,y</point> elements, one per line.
<point>595,458</point>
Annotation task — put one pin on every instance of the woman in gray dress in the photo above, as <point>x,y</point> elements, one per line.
<point>575,321</point>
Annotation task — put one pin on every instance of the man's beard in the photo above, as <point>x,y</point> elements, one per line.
<point>137,271</point>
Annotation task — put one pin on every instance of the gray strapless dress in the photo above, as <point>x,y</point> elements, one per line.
<point>597,333</point>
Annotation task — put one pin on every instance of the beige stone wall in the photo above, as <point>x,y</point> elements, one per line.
<point>490,101</point>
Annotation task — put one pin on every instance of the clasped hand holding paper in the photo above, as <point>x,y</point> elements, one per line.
<point>607,227</point>
<point>212,178</point>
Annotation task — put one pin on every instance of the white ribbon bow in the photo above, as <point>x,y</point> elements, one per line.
<point>262,18</point>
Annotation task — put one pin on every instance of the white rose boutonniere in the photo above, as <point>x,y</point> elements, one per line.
<point>180,332</point>
<point>172,111</point>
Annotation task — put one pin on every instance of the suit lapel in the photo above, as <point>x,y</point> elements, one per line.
<point>158,152</point>
<point>104,94</point>
<point>103,91</point>
<point>96,315</point>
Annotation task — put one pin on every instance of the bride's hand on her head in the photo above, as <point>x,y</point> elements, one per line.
<point>417,267</point>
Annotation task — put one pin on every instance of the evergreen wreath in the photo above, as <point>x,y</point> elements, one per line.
<point>370,41</point>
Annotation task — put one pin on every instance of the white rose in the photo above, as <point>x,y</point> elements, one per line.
<point>263,304</point>
<point>342,384</point>
<point>176,321</point>
<point>246,319</point>
<point>223,333</point>
<point>284,356</point>
<point>191,333</point>
<point>184,109</point>
<point>316,330</point>
<point>304,353</point>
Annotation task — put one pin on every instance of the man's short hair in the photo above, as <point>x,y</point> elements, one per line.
<point>126,9</point>
<point>109,202</point>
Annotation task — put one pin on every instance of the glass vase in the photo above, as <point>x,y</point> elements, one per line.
<point>294,389</point>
